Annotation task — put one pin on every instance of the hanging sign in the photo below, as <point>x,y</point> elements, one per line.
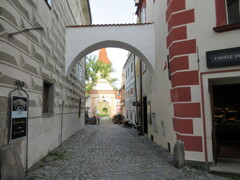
<point>19,117</point>
<point>224,57</point>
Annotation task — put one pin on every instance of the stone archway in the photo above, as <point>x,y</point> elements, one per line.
<point>103,108</point>
<point>136,38</point>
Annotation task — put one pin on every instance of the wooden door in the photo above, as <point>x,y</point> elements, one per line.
<point>214,128</point>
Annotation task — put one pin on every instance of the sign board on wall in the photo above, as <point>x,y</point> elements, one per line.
<point>223,57</point>
<point>19,117</point>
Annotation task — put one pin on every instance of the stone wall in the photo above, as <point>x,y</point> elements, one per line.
<point>35,56</point>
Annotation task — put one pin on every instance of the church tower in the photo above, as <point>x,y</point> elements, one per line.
<point>102,98</point>
<point>102,56</point>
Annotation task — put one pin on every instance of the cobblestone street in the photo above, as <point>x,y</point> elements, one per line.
<point>109,151</point>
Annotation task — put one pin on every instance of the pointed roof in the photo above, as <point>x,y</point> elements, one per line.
<point>103,56</point>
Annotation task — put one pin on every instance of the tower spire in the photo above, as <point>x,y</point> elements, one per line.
<point>103,56</point>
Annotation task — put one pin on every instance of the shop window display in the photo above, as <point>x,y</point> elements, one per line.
<point>226,119</point>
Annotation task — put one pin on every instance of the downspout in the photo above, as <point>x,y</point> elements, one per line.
<point>62,123</point>
<point>135,84</point>
<point>141,125</point>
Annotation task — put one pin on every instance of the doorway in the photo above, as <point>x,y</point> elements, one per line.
<point>226,120</point>
<point>145,121</point>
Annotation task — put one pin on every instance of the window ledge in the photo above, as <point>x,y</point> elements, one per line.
<point>47,115</point>
<point>225,28</point>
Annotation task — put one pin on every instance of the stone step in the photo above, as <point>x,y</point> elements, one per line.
<point>226,167</point>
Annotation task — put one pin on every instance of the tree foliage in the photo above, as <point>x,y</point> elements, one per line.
<point>97,69</point>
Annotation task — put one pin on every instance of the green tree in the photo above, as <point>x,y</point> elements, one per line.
<point>95,69</point>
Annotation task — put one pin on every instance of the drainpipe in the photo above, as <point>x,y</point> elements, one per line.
<point>135,84</point>
<point>62,123</point>
<point>141,119</point>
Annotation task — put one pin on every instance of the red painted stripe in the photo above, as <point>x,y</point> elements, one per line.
<point>178,63</point>
<point>183,47</point>
<point>221,19</point>
<point>185,78</point>
<point>181,18</point>
<point>181,94</point>
<point>187,110</point>
<point>184,126</point>
<point>177,34</point>
<point>191,143</point>
<point>175,5</point>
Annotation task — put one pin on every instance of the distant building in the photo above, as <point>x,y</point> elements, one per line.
<point>32,50</point>
<point>130,89</point>
<point>103,98</point>
<point>122,91</point>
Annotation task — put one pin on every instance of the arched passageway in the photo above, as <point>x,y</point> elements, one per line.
<point>136,38</point>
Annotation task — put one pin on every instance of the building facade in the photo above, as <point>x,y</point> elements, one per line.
<point>103,98</point>
<point>130,89</point>
<point>32,50</point>
<point>122,92</point>
<point>191,95</point>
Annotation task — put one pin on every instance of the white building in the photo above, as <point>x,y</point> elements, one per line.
<point>193,88</point>
<point>32,50</point>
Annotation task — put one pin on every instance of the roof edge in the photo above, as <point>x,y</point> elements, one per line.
<point>105,25</point>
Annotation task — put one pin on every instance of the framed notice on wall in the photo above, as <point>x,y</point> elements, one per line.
<point>223,57</point>
<point>19,116</point>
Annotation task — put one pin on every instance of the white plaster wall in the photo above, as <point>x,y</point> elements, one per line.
<point>208,40</point>
<point>125,37</point>
<point>159,91</point>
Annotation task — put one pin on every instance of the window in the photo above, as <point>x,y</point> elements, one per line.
<point>48,97</point>
<point>143,12</point>
<point>227,15</point>
<point>49,2</point>
<point>79,72</point>
<point>233,11</point>
<point>131,67</point>
<point>132,91</point>
<point>144,68</point>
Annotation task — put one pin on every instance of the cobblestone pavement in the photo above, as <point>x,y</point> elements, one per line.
<point>111,152</point>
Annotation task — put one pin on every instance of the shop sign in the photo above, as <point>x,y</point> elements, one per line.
<point>224,57</point>
<point>19,117</point>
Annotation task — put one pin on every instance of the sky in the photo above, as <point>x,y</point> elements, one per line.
<point>113,12</point>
